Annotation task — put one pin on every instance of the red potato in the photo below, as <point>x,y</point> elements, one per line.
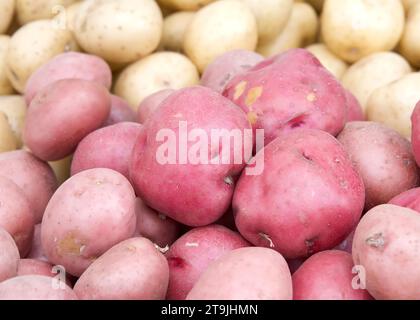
<point>196,191</point>
<point>9,256</point>
<point>288,91</point>
<point>386,247</point>
<point>35,267</point>
<point>69,65</point>
<point>131,270</point>
<point>383,158</point>
<point>66,110</point>
<point>33,176</point>
<point>415,132</point>
<point>35,287</point>
<point>149,105</point>
<point>16,215</point>
<point>354,109</point>
<point>191,254</point>
<point>155,226</point>
<point>327,275</point>
<point>228,65</point>
<point>245,274</point>
<point>308,198</point>
<point>120,112</point>
<point>36,250</point>
<point>89,213</point>
<point>409,199</point>
<point>108,147</point>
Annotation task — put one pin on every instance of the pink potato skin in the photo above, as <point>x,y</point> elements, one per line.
<point>386,245</point>
<point>120,112</point>
<point>245,274</point>
<point>108,147</point>
<point>9,256</point>
<point>133,269</point>
<point>89,213</point>
<point>36,250</point>
<point>347,243</point>
<point>191,254</point>
<point>34,287</point>
<point>35,267</point>
<point>192,194</point>
<point>150,104</point>
<point>288,91</point>
<point>415,132</point>
<point>16,215</point>
<point>327,275</point>
<point>155,226</point>
<point>34,177</point>
<point>383,158</point>
<point>69,65</point>
<point>228,65</point>
<point>354,109</point>
<point>409,199</point>
<point>62,114</point>
<point>308,198</point>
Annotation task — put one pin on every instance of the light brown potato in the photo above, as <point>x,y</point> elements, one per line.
<point>328,59</point>
<point>317,4</point>
<point>386,247</point>
<point>7,138</point>
<point>353,29</point>
<point>174,27</point>
<point>370,73</point>
<point>66,17</point>
<point>29,10</point>
<point>7,8</point>
<point>133,269</point>
<point>162,70</point>
<point>300,31</point>
<point>218,28</point>
<point>394,103</point>
<point>32,46</point>
<point>251,273</point>
<point>14,108</point>
<point>408,3</point>
<point>5,85</point>
<point>9,256</point>
<point>410,41</point>
<point>271,15</point>
<point>61,169</point>
<point>119,31</point>
<point>189,5</point>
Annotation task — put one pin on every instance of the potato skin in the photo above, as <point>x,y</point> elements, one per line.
<point>33,45</point>
<point>104,202</point>
<point>151,103</point>
<point>192,253</point>
<point>182,185</point>
<point>69,65</point>
<point>109,147</point>
<point>254,274</point>
<point>408,199</point>
<point>409,45</point>
<point>120,112</point>
<point>7,9</point>
<point>226,66</point>
<point>155,226</point>
<point>32,175</point>
<point>383,158</point>
<point>16,215</point>
<point>278,209</point>
<point>8,140</point>
<point>231,25</point>
<point>386,242</point>
<point>5,85</point>
<point>354,109</point>
<point>67,110</point>
<point>328,59</point>
<point>34,287</point>
<point>35,267</point>
<point>327,275</point>
<point>353,29</point>
<point>9,256</point>
<point>415,134</point>
<point>37,253</point>
<point>14,107</point>
<point>190,5</point>
<point>174,27</point>
<point>267,91</point>
<point>27,10</point>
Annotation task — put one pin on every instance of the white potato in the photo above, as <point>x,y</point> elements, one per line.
<point>61,169</point>
<point>372,72</point>
<point>220,27</point>
<point>353,29</point>
<point>7,8</point>
<point>14,108</point>
<point>174,27</point>
<point>30,10</point>
<point>394,103</point>
<point>156,72</point>
<point>410,42</point>
<point>328,59</point>
<point>7,138</point>
<point>119,31</point>
<point>188,5</point>
<point>5,85</point>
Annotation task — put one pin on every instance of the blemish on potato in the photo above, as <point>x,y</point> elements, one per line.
<point>267,238</point>
<point>192,244</point>
<point>160,249</point>
<point>310,244</point>
<point>239,90</point>
<point>376,241</point>
<point>228,180</point>
<point>253,95</point>
<point>162,216</point>
<point>70,245</point>
<point>311,97</point>
<point>252,117</point>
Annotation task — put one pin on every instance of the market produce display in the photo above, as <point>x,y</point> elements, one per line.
<point>209,149</point>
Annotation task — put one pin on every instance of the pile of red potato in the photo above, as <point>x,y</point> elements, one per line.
<point>199,149</point>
